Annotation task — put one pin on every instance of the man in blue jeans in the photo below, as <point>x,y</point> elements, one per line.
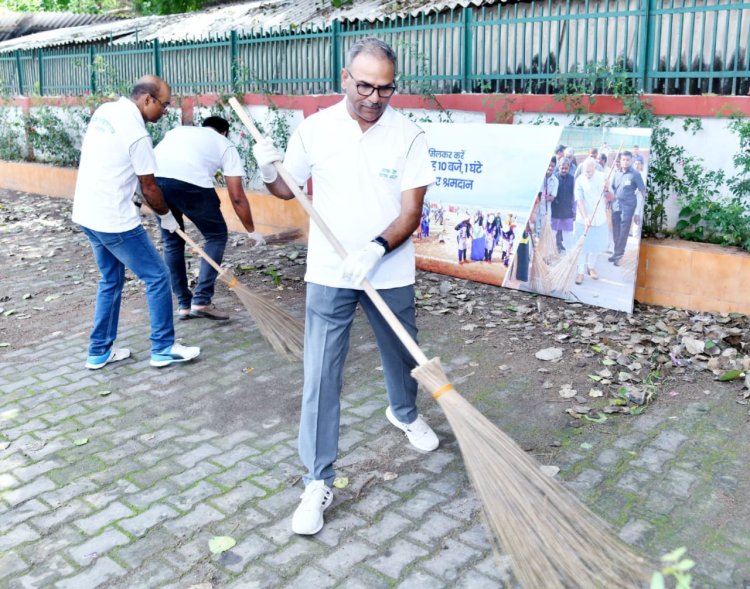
<point>630,192</point>
<point>116,157</point>
<point>188,158</point>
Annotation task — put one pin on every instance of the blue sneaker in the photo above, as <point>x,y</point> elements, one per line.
<point>174,353</point>
<point>114,355</point>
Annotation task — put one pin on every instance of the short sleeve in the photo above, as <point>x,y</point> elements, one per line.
<point>142,157</point>
<point>296,159</point>
<point>231,164</point>
<point>417,167</point>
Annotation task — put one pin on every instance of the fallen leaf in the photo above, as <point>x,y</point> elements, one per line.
<point>549,470</point>
<point>104,393</point>
<point>389,476</point>
<point>595,393</point>
<point>341,482</point>
<point>80,441</point>
<point>730,375</point>
<point>600,419</point>
<point>219,544</point>
<point>248,370</point>
<point>566,392</point>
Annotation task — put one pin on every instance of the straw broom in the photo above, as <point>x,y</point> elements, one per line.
<point>547,247</point>
<point>539,270</point>
<point>282,331</point>
<point>554,540</point>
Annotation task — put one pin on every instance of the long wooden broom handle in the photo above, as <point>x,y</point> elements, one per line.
<point>198,249</point>
<point>375,297</point>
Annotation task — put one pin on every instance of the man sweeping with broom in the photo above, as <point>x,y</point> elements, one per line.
<point>370,168</point>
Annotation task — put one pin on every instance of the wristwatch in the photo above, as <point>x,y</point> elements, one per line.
<point>380,240</point>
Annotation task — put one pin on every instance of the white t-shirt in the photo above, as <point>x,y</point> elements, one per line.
<point>195,154</point>
<point>358,179</point>
<point>591,190</point>
<point>115,150</point>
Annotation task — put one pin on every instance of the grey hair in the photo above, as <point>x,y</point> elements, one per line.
<point>150,88</point>
<point>371,46</point>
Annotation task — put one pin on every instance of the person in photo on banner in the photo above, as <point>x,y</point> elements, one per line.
<point>117,160</point>
<point>463,237</point>
<point>371,168</point>
<point>630,193</point>
<point>562,208</point>
<point>591,218</point>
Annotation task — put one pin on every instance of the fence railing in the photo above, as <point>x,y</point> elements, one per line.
<point>660,46</point>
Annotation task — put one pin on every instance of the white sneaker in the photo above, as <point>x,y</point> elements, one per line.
<point>308,518</point>
<point>114,355</point>
<point>419,433</point>
<point>174,353</point>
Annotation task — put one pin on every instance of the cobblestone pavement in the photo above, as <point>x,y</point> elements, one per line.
<point>118,478</point>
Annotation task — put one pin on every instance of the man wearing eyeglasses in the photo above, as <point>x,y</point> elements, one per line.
<point>370,168</point>
<point>117,158</point>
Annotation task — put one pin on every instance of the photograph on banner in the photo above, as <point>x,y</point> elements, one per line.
<point>582,236</point>
<point>486,176</point>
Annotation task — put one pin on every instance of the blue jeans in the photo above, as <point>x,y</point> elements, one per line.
<point>114,251</point>
<point>328,320</point>
<point>201,206</point>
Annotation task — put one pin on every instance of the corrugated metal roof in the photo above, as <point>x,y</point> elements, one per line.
<point>245,18</point>
<point>19,24</point>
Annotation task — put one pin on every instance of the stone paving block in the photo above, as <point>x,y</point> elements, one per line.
<point>636,531</point>
<point>154,474</point>
<point>477,536</point>
<point>11,564</point>
<point>143,522</point>
<point>120,451</point>
<point>20,534</point>
<point>630,441</point>
<point>198,436</point>
<point>368,408</point>
<point>91,550</point>
<point>54,568</point>
<point>377,499</point>
<point>609,457</point>
<point>107,516</point>
<point>349,439</point>
<point>143,498</point>
<point>421,580</point>
<point>192,495</point>
<point>153,455</point>
<point>678,483</point>
<point>297,551</point>
<point>363,578</point>
<point>76,509</point>
<point>196,519</point>
<point>150,576</point>
<point>105,412</point>
<point>157,541</point>
<point>8,481</point>
<point>496,566</point>
<point>279,530</point>
<point>437,461</point>
<point>406,482</point>
<point>341,526</point>
<point>450,560</point>
<point>271,440</point>
<point>21,513</point>
<point>389,526</point>
<point>312,577</point>
<point>238,473</point>
<point>230,441</point>
<point>652,459</point>
<point>32,426</point>
<point>401,554</point>
<point>475,580</point>
<point>586,481</point>
<point>245,552</point>
<point>422,502</point>
<point>103,571</point>
<point>24,493</point>
<point>62,495</point>
<point>635,480</point>
<point>192,475</point>
<point>104,496</point>
<point>257,577</point>
<point>433,528</point>
<point>232,456</point>
<point>22,383</point>
<point>193,457</point>
<point>230,502</point>
<point>463,506</point>
<point>282,503</point>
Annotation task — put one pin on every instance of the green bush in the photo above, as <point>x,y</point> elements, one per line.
<point>12,139</point>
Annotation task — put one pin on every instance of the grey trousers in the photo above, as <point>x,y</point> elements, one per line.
<point>328,320</point>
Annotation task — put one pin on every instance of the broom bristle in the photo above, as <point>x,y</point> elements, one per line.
<point>547,247</point>
<point>284,333</point>
<point>538,272</point>
<point>553,539</point>
<point>562,274</point>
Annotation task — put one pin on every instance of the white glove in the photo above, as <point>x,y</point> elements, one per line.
<point>357,265</point>
<point>168,222</point>
<point>257,237</point>
<point>266,154</point>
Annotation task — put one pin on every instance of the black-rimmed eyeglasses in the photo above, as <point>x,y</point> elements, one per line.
<point>365,89</point>
<point>164,105</point>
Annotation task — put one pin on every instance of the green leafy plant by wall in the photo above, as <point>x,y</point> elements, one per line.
<point>55,134</point>
<point>12,138</point>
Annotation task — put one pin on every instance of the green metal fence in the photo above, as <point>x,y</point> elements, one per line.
<point>661,46</point>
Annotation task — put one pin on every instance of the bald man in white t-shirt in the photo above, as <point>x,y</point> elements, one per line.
<point>188,159</point>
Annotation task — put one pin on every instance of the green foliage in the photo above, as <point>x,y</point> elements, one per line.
<point>12,141</point>
<point>169,120</point>
<point>676,567</point>
<point>167,6</point>
<point>82,6</point>
<point>55,134</point>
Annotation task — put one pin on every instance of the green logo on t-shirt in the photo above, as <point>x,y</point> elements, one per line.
<point>389,173</point>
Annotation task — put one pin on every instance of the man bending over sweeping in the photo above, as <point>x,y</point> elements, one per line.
<point>370,168</point>
<point>188,158</point>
